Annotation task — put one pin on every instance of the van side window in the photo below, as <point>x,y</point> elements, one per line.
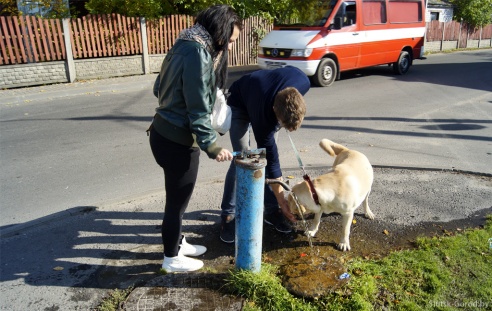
<point>405,11</point>
<point>347,12</point>
<point>374,12</point>
<point>349,15</point>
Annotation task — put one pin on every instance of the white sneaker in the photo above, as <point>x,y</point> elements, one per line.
<point>181,263</point>
<point>187,249</point>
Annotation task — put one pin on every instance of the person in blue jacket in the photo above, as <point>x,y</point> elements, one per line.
<point>263,101</point>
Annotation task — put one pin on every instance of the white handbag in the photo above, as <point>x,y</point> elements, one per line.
<point>221,114</point>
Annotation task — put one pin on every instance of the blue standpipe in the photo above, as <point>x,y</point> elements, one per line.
<point>250,188</point>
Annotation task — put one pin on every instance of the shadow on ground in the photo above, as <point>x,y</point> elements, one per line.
<point>75,260</point>
<point>410,197</point>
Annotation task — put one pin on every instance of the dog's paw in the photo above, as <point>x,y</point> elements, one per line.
<point>369,215</point>
<point>344,247</point>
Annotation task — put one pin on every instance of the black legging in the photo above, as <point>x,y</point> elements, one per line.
<point>180,164</point>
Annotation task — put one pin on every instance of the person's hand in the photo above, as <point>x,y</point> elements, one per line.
<point>284,207</point>
<point>224,155</point>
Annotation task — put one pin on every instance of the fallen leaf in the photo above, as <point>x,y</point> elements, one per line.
<point>354,221</point>
<point>58,268</point>
<point>378,277</point>
<point>303,254</point>
<point>386,232</point>
<point>290,177</point>
<point>448,233</point>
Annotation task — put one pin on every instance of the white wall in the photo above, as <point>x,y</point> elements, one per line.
<point>445,15</point>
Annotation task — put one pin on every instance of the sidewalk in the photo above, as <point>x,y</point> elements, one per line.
<point>72,263</point>
<point>11,96</point>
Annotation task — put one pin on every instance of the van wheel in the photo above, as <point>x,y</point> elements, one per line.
<point>326,73</point>
<point>402,66</point>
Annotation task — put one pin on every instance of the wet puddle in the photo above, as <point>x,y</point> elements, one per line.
<point>314,272</point>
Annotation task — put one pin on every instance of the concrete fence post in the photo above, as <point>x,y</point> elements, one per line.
<point>442,36</point>
<point>70,64</point>
<point>145,48</point>
<point>459,36</point>
<point>480,37</point>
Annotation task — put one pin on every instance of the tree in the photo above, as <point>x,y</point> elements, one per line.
<point>273,9</point>
<point>41,8</point>
<point>8,8</point>
<point>475,12</point>
<point>131,8</point>
<point>148,8</point>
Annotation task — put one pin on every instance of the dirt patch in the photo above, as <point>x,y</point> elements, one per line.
<point>312,272</point>
<point>407,204</point>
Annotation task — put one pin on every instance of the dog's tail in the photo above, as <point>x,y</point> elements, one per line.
<point>330,147</point>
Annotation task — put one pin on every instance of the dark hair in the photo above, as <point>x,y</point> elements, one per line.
<point>290,108</point>
<point>219,21</point>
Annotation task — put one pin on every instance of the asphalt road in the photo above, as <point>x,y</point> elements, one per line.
<point>71,146</point>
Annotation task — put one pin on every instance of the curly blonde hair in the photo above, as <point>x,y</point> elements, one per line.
<point>290,108</point>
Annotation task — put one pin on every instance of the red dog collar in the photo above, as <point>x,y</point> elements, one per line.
<point>311,188</point>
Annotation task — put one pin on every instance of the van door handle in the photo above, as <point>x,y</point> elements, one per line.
<point>355,34</point>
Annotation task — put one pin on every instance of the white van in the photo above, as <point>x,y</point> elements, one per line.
<point>342,35</point>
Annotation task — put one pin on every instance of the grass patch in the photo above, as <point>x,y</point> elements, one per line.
<point>264,290</point>
<point>454,50</point>
<point>114,300</point>
<point>450,272</point>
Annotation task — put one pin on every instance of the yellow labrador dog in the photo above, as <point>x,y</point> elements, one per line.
<point>341,190</point>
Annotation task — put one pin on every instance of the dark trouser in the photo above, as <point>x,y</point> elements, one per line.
<point>239,134</point>
<point>180,164</point>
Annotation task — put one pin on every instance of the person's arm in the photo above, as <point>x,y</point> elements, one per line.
<point>199,96</point>
<point>156,86</point>
<point>273,168</point>
<point>279,193</point>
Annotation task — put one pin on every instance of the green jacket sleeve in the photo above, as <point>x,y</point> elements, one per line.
<point>199,94</point>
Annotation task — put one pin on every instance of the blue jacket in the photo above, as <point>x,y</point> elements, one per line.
<point>255,93</point>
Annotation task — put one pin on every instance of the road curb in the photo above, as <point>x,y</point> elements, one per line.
<point>16,229</point>
<point>394,167</point>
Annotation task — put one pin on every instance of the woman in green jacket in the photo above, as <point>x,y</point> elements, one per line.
<point>186,86</point>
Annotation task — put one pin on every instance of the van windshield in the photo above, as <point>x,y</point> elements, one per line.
<point>314,14</point>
